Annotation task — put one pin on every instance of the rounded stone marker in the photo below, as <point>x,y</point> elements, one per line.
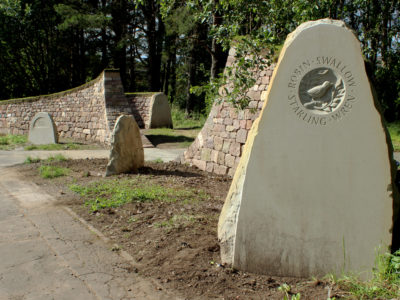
<point>126,147</point>
<point>42,130</point>
<point>160,112</point>
<point>313,192</point>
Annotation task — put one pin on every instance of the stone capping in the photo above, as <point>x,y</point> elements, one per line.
<point>219,145</point>
<point>54,96</point>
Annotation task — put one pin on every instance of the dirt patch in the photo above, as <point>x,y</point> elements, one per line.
<point>174,242</point>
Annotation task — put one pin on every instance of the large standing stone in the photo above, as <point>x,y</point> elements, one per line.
<point>126,147</point>
<point>42,129</point>
<point>313,192</point>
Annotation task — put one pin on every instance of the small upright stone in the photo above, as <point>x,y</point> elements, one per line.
<point>126,147</point>
<point>42,130</point>
<point>314,190</point>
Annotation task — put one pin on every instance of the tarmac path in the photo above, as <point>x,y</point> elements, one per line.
<point>47,253</point>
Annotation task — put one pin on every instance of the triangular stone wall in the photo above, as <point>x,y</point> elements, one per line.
<point>219,145</point>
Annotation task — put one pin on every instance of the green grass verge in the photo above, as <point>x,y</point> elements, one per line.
<point>385,283</point>
<point>46,171</point>
<point>10,141</point>
<point>177,221</point>
<point>68,146</point>
<point>55,158</point>
<point>114,193</point>
<point>32,160</point>
<point>394,131</point>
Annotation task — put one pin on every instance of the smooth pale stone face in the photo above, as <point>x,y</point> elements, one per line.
<point>160,112</point>
<point>313,191</point>
<point>126,147</point>
<point>42,129</point>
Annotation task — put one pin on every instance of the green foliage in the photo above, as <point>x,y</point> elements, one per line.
<point>56,158</point>
<point>176,221</point>
<point>394,131</point>
<point>181,121</point>
<point>157,161</point>
<point>51,46</point>
<point>286,289</point>
<point>9,141</point>
<point>67,146</point>
<point>114,193</point>
<point>31,160</point>
<point>385,283</point>
<point>46,171</point>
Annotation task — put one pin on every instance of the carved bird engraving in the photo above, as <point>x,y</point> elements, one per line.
<point>317,92</point>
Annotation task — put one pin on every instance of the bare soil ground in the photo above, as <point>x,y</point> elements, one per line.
<point>182,254</point>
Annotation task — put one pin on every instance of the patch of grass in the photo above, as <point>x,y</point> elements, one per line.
<point>176,221</point>
<point>31,160</point>
<point>52,171</point>
<point>286,290</point>
<point>180,120</point>
<point>385,283</point>
<point>157,161</point>
<point>67,146</point>
<point>10,141</point>
<point>56,158</point>
<point>117,192</point>
<point>394,131</point>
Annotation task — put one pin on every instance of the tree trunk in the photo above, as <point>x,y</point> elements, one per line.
<point>190,81</point>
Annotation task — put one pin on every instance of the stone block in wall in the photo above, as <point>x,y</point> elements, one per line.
<point>226,146</point>
<point>214,156</point>
<point>206,154</point>
<point>220,169</point>
<point>241,136</point>
<point>229,160</point>
<point>218,143</point>
<point>235,149</point>
<point>221,158</point>
<point>199,164</point>
<point>249,123</point>
<point>210,167</point>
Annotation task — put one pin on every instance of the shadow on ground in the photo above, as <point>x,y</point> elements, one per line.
<point>167,172</point>
<point>164,139</point>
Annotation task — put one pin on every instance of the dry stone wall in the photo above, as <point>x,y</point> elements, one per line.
<point>219,145</point>
<point>79,114</point>
<point>140,103</point>
<point>151,110</point>
<point>85,113</point>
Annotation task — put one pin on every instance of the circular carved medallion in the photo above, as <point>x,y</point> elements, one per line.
<point>321,91</point>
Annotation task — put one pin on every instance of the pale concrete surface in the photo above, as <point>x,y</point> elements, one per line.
<point>8,158</point>
<point>48,254</point>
